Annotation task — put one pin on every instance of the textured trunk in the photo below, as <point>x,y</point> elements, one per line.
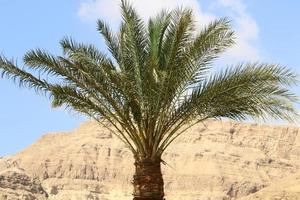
<point>147,181</point>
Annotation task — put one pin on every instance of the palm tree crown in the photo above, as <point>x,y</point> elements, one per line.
<point>156,82</point>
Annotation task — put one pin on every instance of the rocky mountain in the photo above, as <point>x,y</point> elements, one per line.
<point>215,160</point>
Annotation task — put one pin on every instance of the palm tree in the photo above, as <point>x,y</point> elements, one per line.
<point>155,84</point>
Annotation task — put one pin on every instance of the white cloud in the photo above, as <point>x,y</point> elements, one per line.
<point>246,28</point>
<point>108,10</point>
<point>91,10</point>
<point>148,8</point>
<point>247,31</point>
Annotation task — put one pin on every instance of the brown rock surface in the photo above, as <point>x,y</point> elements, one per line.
<point>15,185</point>
<point>212,161</point>
<point>286,189</point>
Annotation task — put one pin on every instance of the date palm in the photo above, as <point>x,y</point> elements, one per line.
<point>155,84</point>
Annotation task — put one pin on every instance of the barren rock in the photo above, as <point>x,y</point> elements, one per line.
<point>216,160</point>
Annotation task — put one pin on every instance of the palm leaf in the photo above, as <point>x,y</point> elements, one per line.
<point>156,81</point>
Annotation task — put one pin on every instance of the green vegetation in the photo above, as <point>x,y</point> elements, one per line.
<point>155,84</point>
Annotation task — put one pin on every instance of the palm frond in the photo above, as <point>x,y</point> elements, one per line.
<point>9,69</point>
<point>156,82</point>
<point>110,38</point>
<point>248,90</point>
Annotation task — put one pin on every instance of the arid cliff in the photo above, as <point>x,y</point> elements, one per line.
<point>212,161</point>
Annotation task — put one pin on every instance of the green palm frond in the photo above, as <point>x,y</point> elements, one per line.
<point>156,82</point>
<point>10,70</point>
<point>111,39</point>
<point>248,90</point>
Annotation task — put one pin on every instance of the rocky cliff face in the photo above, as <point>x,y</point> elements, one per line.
<point>212,161</point>
<point>15,185</point>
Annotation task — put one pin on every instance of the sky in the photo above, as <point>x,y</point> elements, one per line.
<point>267,31</point>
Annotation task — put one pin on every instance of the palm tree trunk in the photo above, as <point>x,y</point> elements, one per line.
<point>147,180</point>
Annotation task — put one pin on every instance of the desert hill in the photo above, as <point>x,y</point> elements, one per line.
<point>215,160</point>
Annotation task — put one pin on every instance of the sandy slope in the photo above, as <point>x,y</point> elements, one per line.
<point>286,189</point>
<point>215,161</point>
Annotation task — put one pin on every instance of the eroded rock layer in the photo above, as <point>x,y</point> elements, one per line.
<point>212,161</point>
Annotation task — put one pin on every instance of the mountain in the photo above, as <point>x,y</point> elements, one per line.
<point>215,160</point>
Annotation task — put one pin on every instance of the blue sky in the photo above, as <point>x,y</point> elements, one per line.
<point>267,31</point>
